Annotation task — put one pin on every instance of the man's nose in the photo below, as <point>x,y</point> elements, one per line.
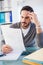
<point>24,19</point>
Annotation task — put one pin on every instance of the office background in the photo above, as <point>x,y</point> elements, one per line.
<point>10,10</point>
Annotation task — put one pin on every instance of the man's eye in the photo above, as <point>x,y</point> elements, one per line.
<point>22,17</point>
<point>27,17</point>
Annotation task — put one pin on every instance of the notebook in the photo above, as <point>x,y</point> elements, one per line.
<point>35,58</point>
<point>13,38</point>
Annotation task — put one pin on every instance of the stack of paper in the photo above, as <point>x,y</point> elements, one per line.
<point>36,58</point>
<point>13,38</point>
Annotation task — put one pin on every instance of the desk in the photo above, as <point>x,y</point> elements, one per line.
<point>19,61</point>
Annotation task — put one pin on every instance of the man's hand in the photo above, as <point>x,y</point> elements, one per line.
<point>34,18</point>
<point>6,49</point>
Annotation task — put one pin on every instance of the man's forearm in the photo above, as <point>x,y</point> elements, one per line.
<point>38,28</point>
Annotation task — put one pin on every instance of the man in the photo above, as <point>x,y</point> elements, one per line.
<point>30,28</point>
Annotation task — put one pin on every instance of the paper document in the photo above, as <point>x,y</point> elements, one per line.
<point>35,58</point>
<point>13,38</point>
<point>37,55</point>
<point>12,56</point>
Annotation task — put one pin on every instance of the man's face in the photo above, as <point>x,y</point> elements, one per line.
<point>25,18</point>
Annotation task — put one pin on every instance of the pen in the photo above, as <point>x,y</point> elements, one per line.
<point>2,55</point>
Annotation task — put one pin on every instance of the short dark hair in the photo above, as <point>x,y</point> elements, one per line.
<point>27,8</point>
